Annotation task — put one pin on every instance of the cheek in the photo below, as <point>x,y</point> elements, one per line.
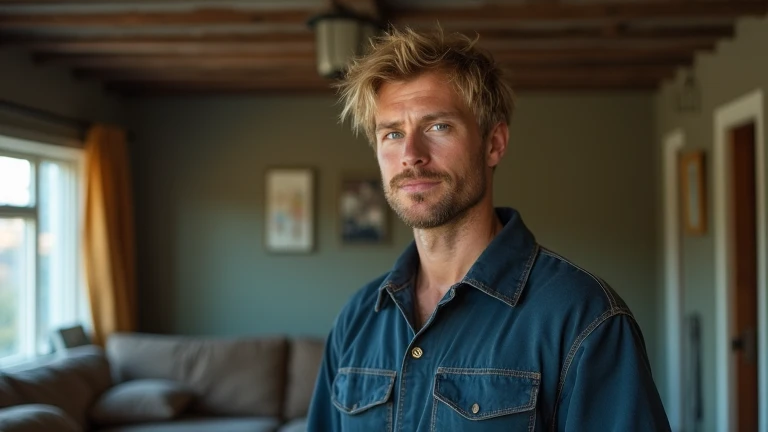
<point>388,162</point>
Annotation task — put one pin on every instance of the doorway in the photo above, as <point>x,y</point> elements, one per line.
<point>740,265</point>
<point>743,283</point>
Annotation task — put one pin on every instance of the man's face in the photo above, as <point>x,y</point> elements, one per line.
<point>430,151</point>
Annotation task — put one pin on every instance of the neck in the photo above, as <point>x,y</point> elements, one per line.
<point>446,253</point>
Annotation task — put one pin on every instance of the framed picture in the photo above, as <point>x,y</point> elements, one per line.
<point>694,197</point>
<point>69,337</point>
<point>363,211</point>
<point>290,210</point>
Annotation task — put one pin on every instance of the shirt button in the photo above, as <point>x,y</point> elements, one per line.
<point>475,408</point>
<point>417,352</point>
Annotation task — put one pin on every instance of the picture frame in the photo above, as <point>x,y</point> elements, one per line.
<point>290,210</point>
<point>65,338</point>
<point>693,192</point>
<point>363,211</point>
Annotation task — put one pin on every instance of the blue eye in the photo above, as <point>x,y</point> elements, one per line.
<point>393,135</point>
<point>440,127</point>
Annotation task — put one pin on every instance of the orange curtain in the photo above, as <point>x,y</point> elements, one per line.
<point>109,244</point>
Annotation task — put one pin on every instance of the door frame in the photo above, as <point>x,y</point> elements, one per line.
<point>745,109</point>
<point>673,143</point>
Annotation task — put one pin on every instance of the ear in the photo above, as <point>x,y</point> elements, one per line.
<point>497,144</point>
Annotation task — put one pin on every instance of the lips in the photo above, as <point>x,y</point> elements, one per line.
<point>416,186</point>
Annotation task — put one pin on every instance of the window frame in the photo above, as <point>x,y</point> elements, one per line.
<point>67,152</point>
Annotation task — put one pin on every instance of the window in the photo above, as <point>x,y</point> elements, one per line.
<point>40,267</point>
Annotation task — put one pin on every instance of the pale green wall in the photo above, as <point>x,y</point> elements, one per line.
<point>735,68</point>
<point>579,168</point>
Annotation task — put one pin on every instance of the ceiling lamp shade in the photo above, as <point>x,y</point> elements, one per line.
<point>340,36</point>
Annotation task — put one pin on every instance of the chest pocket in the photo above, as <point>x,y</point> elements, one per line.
<point>484,399</point>
<point>364,398</point>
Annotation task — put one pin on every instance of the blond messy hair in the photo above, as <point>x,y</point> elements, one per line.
<point>402,55</point>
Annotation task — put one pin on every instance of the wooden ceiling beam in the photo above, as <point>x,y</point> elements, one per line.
<point>16,38</point>
<point>687,44</point>
<point>65,51</point>
<point>594,57</point>
<point>207,16</point>
<point>182,74</point>
<point>190,44</point>
<point>168,48</point>
<point>304,41</point>
<point>713,32</point>
<point>519,73</point>
<point>450,17</point>
<point>372,9</point>
<point>202,84</point>
<point>669,55</point>
<point>105,68</point>
<point>526,13</point>
<point>527,84</point>
<point>261,61</point>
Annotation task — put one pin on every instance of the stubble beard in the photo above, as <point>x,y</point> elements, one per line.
<point>462,195</point>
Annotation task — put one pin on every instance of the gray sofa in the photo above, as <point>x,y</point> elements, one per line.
<point>155,383</point>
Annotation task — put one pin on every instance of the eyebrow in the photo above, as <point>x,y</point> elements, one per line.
<point>425,118</point>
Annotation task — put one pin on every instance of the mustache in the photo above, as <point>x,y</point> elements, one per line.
<point>412,174</point>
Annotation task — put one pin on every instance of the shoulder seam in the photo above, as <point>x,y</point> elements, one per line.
<point>572,352</point>
<point>606,291</point>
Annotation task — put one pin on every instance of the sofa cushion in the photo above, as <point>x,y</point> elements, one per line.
<point>141,401</point>
<point>71,383</point>
<point>36,418</point>
<point>303,365</point>
<point>237,377</point>
<point>8,395</point>
<point>204,424</point>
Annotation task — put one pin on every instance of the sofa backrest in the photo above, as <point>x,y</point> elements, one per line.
<point>243,376</point>
<point>305,356</point>
<point>71,381</point>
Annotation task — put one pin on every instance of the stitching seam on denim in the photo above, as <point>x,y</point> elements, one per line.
<point>532,419</point>
<point>636,331</point>
<point>490,371</point>
<point>367,371</point>
<point>433,428</point>
<point>524,277</point>
<point>353,410</point>
<point>486,289</point>
<point>575,347</point>
<point>490,414</point>
<point>399,424</point>
<point>611,299</point>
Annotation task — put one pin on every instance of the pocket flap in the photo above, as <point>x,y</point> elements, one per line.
<point>479,394</point>
<point>357,389</point>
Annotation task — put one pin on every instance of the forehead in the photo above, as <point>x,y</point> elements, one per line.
<point>431,91</point>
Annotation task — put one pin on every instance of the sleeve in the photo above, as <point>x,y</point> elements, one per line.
<point>609,386</point>
<point>323,416</point>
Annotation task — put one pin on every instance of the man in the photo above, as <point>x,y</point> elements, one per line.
<point>476,327</point>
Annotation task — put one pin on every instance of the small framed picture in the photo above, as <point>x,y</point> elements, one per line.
<point>69,337</point>
<point>363,211</point>
<point>694,197</point>
<point>290,214</point>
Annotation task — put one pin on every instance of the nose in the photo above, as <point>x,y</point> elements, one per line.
<point>414,151</point>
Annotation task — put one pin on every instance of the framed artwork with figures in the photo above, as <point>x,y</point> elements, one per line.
<point>363,211</point>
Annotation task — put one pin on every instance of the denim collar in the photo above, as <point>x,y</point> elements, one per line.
<point>501,271</point>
